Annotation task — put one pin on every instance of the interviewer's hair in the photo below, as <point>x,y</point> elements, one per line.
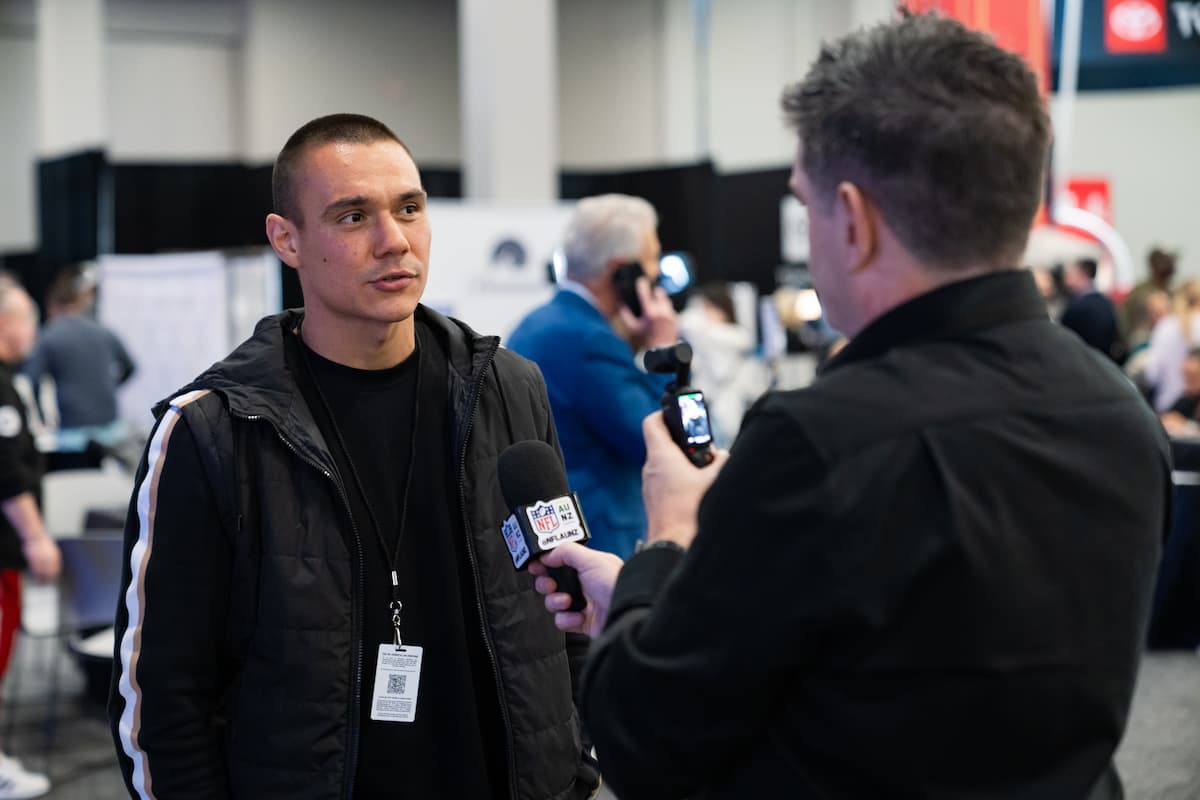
<point>341,128</point>
<point>942,129</point>
<point>603,228</point>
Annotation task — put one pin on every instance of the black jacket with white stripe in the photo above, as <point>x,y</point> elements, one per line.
<point>238,664</point>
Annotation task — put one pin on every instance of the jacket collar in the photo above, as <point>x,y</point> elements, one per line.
<point>575,301</point>
<point>958,308</point>
<point>256,379</point>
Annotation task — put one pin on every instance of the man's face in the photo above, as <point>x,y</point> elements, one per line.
<point>18,324</point>
<point>1075,279</point>
<point>362,248</point>
<point>826,266</point>
<point>1191,376</point>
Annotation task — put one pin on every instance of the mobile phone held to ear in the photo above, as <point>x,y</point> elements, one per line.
<point>625,279</point>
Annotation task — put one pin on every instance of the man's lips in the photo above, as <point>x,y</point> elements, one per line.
<point>397,278</point>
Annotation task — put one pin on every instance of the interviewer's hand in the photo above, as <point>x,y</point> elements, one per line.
<point>672,486</point>
<point>597,575</point>
<point>658,326</point>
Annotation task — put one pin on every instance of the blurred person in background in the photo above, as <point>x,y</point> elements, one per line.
<point>87,362</point>
<point>1181,418</point>
<point>929,573</point>
<point>724,365</point>
<point>586,339</point>
<point>24,541</point>
<point>1089,313</point>
<point>1162,269</point>
<point>1170,341</point>
<point>1155,308</point>
<point>1050,289</point>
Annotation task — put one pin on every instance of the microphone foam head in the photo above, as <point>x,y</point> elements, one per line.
<point>530,471</point>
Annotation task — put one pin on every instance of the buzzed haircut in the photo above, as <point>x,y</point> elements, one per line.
<point>944,131</point>
<point>339,128</point>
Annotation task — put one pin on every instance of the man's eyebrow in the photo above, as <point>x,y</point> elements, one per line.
<point>358,200</point>
<point>344,203</point>
<point>414,194</point>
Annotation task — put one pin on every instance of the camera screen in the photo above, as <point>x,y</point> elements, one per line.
<point>694,415</point>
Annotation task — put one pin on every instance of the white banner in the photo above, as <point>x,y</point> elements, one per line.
<point>179,313</point>
<point>488,265</point>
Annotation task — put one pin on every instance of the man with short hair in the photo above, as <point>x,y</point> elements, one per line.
<point>24,540</point>
<point>318,602</point>
<point>929,573</point>
<point>1089,313</point>
<point>585,340</point>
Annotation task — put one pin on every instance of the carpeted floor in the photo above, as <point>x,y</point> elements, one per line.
<point>1159,759</point>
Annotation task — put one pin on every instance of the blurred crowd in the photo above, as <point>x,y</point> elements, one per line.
<point>1151,332</point>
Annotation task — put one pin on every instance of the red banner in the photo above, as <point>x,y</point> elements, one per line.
<point>1092,194</point>
<point>1016,25</point>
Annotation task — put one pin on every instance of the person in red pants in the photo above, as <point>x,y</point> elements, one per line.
<point>24,542</point>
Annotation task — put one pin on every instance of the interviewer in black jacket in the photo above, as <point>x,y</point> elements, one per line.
<point>928,574</point>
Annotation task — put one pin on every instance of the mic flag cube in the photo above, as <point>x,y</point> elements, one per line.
<point>532,530</point>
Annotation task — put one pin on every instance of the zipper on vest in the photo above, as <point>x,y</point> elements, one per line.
<point>487,639</point>
<point>353,710</point>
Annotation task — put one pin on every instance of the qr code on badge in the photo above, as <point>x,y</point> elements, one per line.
<point>396,684</point>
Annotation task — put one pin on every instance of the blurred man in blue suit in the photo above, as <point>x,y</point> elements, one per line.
<point>586,340</point>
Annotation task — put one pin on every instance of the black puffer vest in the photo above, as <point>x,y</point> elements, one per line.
<point>292,714</point>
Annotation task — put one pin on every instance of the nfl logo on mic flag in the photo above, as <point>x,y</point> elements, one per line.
<point>533,529</point>
<point>544,518</point>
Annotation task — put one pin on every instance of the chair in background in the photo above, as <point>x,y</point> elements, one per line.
<point>87,595</point>
<point>68,496</point>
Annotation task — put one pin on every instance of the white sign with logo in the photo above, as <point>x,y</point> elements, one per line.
<point>488,263</point>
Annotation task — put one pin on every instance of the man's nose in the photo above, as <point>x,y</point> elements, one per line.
<point>392,236</point>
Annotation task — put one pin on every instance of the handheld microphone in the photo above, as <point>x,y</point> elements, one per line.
<point>545,512</point>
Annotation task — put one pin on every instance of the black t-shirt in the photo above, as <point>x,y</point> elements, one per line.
<point>454,748</point>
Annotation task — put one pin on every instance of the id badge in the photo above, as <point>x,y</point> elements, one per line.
<point>397,678</point>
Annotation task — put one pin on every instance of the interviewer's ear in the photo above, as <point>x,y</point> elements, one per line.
<point>859,220</point>
<point>282,234</point>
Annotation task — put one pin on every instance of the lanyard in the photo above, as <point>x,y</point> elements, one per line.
<point>393,559</point>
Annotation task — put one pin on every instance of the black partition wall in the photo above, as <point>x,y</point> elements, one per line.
<point>728,221</point>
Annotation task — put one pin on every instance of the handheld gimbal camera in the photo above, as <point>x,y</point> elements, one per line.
<point>683,406</point>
